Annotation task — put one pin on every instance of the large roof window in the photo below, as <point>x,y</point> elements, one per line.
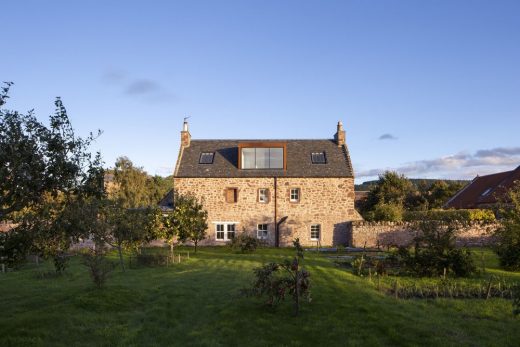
<point>262,157</point>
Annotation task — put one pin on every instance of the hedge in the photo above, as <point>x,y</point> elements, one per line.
<point>474,215</point>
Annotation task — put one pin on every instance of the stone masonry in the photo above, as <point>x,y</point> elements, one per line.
<point>374,234</point>
<point>325,201</point>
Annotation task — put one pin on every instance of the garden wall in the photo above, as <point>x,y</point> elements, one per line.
<point>402,233</point>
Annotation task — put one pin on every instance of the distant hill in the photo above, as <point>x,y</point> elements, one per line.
<point>368,184</point>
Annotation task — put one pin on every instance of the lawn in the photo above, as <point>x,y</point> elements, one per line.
<point>197,303</point>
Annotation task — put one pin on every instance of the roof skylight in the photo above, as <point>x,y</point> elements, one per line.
<point>206,157</point>
<point>318,158</point>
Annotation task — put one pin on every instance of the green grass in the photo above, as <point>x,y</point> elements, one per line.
<point>197,303</point>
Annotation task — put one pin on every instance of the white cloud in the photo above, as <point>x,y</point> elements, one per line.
<point>460,165</point>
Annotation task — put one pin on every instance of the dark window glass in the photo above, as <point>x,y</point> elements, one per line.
<point>262,158</point>
<point>318,158</point>
<point>206,158</point>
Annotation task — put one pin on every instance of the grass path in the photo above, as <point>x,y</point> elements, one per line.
<point>196,303</point>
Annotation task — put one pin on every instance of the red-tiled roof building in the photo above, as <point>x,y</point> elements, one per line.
<point>485,191</point>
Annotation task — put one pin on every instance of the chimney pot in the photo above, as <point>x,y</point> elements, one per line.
<point>340,135</point>
<point>185,135</point>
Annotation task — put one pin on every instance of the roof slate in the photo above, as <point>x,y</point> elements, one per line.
<point>471,195</point>
<point>225,163</point>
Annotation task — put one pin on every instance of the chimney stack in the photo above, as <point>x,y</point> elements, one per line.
<point>185,134</point>
<point>340,135</point>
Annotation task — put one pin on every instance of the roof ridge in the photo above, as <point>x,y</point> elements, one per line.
<point>256,140</point>
<point>498,173</point>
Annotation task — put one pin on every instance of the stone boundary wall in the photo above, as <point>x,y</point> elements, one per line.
<point>402,233</point>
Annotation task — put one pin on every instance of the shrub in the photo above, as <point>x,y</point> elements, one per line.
<point>435,253</point>
<point>61,262</point>
<point>99,267</point>
<point>244,243</point>
<point>508,236</point>
<point>385,212</point>
<point>269,282</point>
<point>151,260</point>
<point>516,300</point>
<point>14,247</point>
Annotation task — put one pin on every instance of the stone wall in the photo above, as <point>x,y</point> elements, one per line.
<point>402,233</point>
<point>325,201</point>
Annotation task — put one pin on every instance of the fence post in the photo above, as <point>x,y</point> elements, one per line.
<point>488,294</point>
<point>179,258</point>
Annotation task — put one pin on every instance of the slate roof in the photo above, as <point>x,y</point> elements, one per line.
<point>166,203</point>
<point>484,190</point>
<point>225,163</point>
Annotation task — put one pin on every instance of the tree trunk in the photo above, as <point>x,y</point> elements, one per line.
<point>195,242</point>
<point>120,250</point>
<point>297,292</point>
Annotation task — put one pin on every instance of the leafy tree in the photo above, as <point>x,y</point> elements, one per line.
<point>394,194</point>
<point>158,187</point>
<point>191,218</point>
<point>44,170</point>
<point>169,230</point>
<point>391,189</point>
<point>436,194</point>
<point>508,236</point>
<point>37,160</point>
<point>127,229</point>
<point>134,188</point>
<point>131,189</point>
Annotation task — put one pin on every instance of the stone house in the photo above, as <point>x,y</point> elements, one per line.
<point>276,190</point>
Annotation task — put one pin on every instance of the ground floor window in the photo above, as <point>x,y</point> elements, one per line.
<point>225,231</point>
<point>315,232</point>
<point>261,231</point>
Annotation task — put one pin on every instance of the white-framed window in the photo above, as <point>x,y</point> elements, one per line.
<point>315,232</point>
<point>263,195</point>
<point>230,231</point>
<point>294,195</point>
<point>261,231</point>
<point>225,231</point>
<point>220,232</point>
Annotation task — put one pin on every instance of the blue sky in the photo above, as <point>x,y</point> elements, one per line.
<point>429,88</point>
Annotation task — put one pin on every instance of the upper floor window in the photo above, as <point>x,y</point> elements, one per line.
<point>261,157</point>
<point>231,194</point>
<point>206,157</point>
<point>294,195</point>
<point>315,232</point>
<point>263,195</point>
<point>318,158</point>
